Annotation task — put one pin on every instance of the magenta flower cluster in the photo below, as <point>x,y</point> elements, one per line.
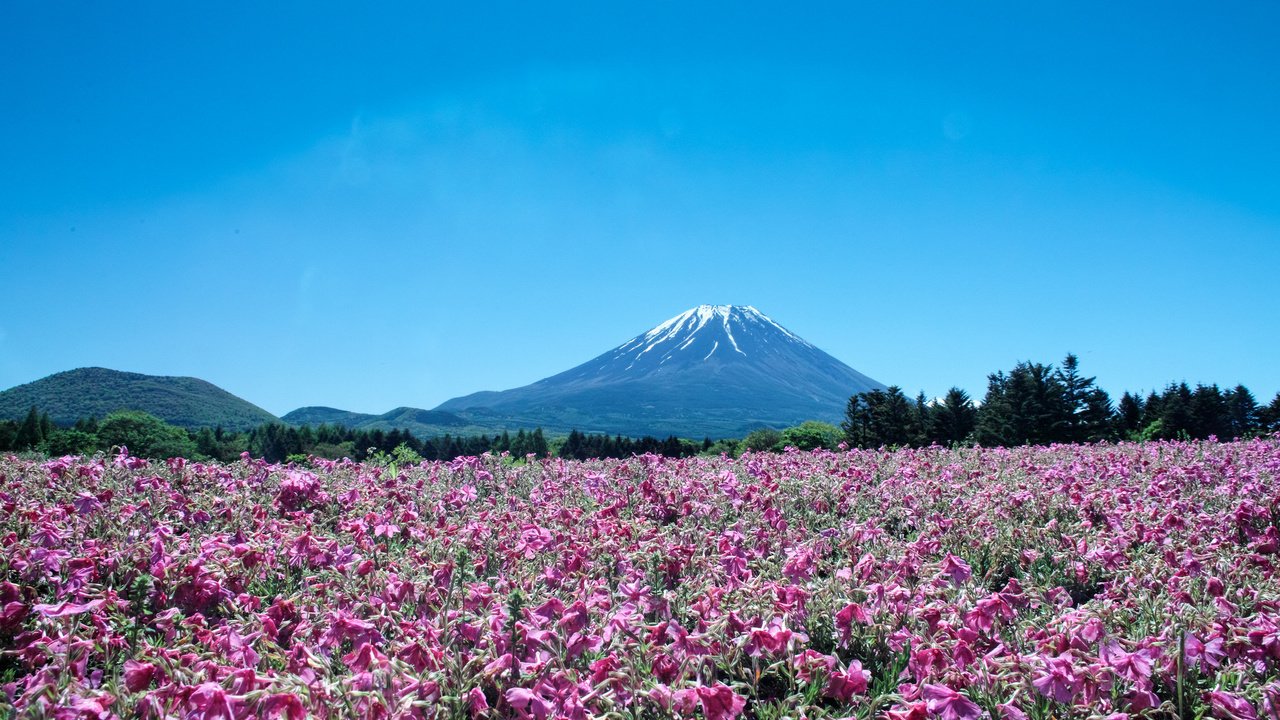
<point>1107,581</point>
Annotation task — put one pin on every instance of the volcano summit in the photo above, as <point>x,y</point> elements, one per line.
<point>714,370</point>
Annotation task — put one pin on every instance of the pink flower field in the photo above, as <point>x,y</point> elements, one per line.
<point>1093,582</point>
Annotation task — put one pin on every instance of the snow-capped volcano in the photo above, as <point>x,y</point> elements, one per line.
<point>690,332</point>
<point>717,370</point>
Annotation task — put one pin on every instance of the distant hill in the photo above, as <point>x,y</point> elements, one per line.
<point>320,415</point>
<point>96,392</point>
<point>422,423</point>
<point>714,370</point>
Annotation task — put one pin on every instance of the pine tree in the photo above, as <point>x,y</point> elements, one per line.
<point>1129,417</point>
<point>1175,420</point>
<point>538,443</point>
<point>29,434</point>
<point>1087,407</point>
<point>1242,412</point>
<point>1209,415</point>
<point>1027,406</point>
<point>573,446</point>
<point>953,419</point>
<point>920,435</point>
<point>856,425</point>
<point>1269,416</point>
<point>894,424</point>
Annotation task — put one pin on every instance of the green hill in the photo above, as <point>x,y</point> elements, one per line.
<point>422,423</point>
<point>95,392</point>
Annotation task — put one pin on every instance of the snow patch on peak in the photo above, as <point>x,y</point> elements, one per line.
<point>743,327</point>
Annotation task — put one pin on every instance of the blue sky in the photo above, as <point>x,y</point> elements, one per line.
<point>308,204</point>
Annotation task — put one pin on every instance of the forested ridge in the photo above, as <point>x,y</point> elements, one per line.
<point>1030,404</point>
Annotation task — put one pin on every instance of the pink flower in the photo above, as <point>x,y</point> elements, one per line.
<point>842,685</point>
<point>910,711</point>
<point>775,639</point>
<point>1203,655</point>
<point>210,702</point>
<point>528,703</point>
<point>67,608</point>
<point>949,704</point>
<point>80,708</point>
<point>720,702</point>
<point>86,504</point>
<point>1057,680</point>
<point>1134,667</point>
<point>811,662</point>
<point>853,612</point>
<point>957,568</point>
<point>1009,711</point>
<point>138,676</point>
<point>281,706</point>
<point>1231,707</point>
<point>477,702</point>
<point>363,657</point>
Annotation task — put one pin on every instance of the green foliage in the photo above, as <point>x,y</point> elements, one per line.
<point>1037,404</point>
<point>728,446</point>
<point>1029,406</point>
<point>812,434</point>
<point>762,440</point>
<point>400,456</point>
<point>1269,417</point>
<point>8,432</point>
<point>145,435</point>
<point>882,418</point>
<point>94,392</point>
<point>29,434</point>
<point>71,442</point>
<point>1128,420</point>
<point>953,420</point>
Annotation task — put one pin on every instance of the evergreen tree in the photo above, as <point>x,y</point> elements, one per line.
<point>856,425</point>
<point>29,433</point>
<point>953,420</point>
<point>8,433</point>
<point>520,444</point>
<point>1175,421</point>
<point>996,416</point>
<point>1242,412</point>
<point>1209,414</point>
<point>920,435</point>
<point>1269,416</point>
<point>1087,407</point>
<point>573,447</point>
<point>538,443</point>
<point>1129,417</point>
<point>895,422</point>
<point>1027,406</point>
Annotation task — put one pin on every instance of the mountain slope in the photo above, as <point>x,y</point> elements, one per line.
<point>96,392</point>
<point>422,423</point>
<point>716,370</point>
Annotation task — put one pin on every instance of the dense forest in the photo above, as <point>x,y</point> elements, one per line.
<point>1038,404</point>
<point>1032,403</point>
<point>148,436</point>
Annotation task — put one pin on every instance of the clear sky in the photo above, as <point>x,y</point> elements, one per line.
<point>309,203</point>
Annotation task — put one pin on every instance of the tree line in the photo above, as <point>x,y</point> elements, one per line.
<point>148,436</point>
<point>1039,404</point>
<point>1032,403</point>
